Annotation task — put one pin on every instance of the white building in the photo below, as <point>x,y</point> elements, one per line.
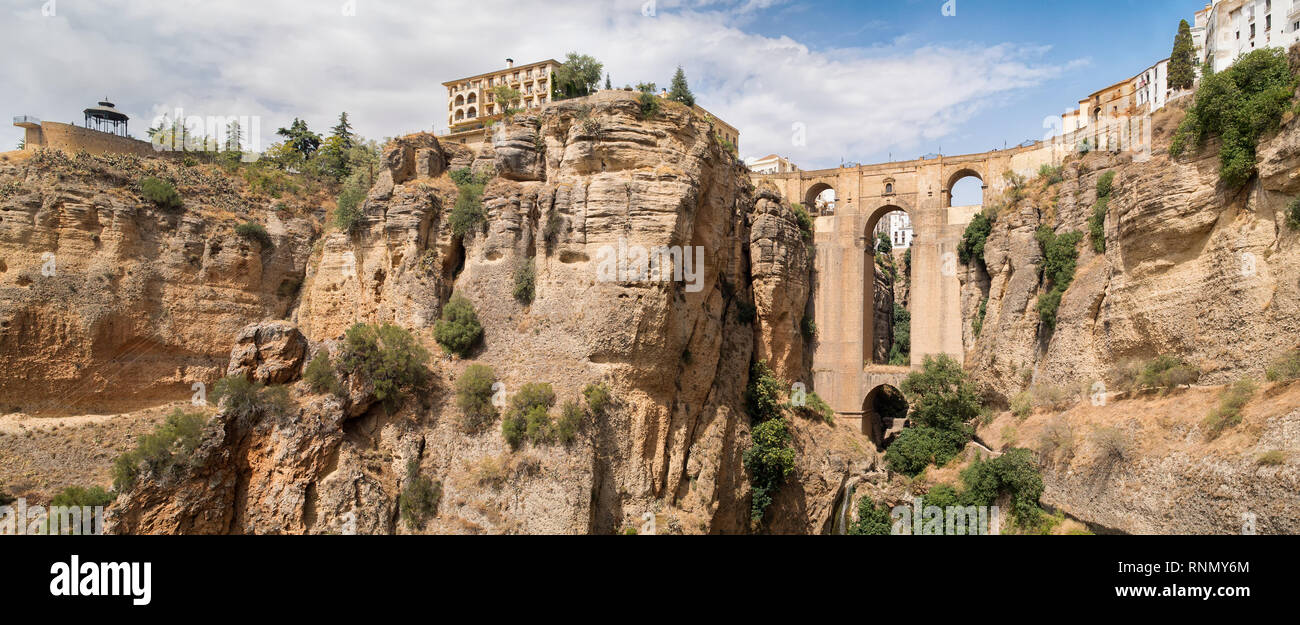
<point>771,164</point>
<point>1237,27</point>
<point>1151,87</point>
<point>898,227</point>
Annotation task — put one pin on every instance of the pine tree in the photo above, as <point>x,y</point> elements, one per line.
<point>680,92</point>
<point>608,85</point>
<point>343,131</point>
<point>234,137</point>
<point>1182,62</point>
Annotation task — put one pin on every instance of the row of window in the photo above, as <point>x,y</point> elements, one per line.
<point>541,75</point>
<point>472,112</point>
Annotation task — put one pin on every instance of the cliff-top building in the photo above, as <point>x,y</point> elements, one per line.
<point>106,131</point>
<point>472,107</point>
<point>471,103</point>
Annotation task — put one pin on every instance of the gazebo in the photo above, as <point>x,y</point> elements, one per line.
<point>105,118</point>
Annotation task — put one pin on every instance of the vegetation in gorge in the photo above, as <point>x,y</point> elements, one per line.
<point>420,497</point>
<point>172,442</point>
<point>944,403</point>
<point>1097,221</point>
<point>900,354</point>
<point>388,357</point>
<point>973,239</point>
<point>770,458</point>
<point>528,415</point>
<point>474,398</point>
<point>1238,105</point>
<point>1060,254</point>
<point>467,213</point>
<point>162,193</point>
<point>458,331</point>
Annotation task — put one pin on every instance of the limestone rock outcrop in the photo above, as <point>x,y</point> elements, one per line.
<point>268,353</point>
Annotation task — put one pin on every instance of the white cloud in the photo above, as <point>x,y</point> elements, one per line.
<point>281,58</point>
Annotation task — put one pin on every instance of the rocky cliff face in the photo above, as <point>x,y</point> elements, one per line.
<point>109,303</point>
<point>576,187</point>
<point>1191,268</point>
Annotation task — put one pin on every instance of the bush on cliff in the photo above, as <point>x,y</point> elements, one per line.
<point>1293,214</point>
<point>973,239</point>
<point>769,460</point>
<point>1285,368</point>
<point>162,194</point>
<point>458,330</point>
<point>244,398</point>
<point>872,520</point>
<point>1097,222</point>
<point>804,220</point>
<point>173,441</point>
<point>467,214</point>
<point>254,232</point>
<point>525,283</point>
<point>80,496</point>
<point>1166,372</point>
<point>528,416</point>
<point>1228,413</point>
<point>387,356</point>
<point>1014,473</point>
<point>1060,254</point>
<point>943,403</point>
<point>474,398</point>
<point>420,497</point>
<point>320,374</point>
<point>1238,105</point>
<point>598,398</point>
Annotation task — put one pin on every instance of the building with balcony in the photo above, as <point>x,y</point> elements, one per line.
<point>1233,28</point>
<point>471,103</point>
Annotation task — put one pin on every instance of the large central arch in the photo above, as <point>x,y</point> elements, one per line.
<point>844,268</point>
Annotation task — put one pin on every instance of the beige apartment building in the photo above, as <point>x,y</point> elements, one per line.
<point>472,106</point>
<point>471,103</point>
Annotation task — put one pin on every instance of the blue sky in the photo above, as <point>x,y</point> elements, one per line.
<point>865,80</point>
<point>1107,40</point>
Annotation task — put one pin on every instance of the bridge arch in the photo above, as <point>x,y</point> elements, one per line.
<point>869,356</point>
<point>884,414</point>
<point>814,191</point>
<point>957,176</point>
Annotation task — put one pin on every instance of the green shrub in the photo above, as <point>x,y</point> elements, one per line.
<point>817,407</point>
<point>941,396</point>
<point>1166,373</point>
<point>1052,175</point>
<point>1014,473</point>
<point>1293,214</point>
<point>1022,405</point>
<point>808,327</point>
<point>320,374</point>
<point>1060,254</point>
<point>974,238</point>
<point>162,194</point>
<point>872,520</point>
<point>5,497</point>
<point>347,216</point>
<point>244,398</point>
<point>78,496</point>
<point>763,396</point>
<point>1097,225</point>
<point>1238,105</point>
<point>649,104</point>
<point>254,232</point>
<point>528,416</point>
<point>1228,414</point>
<point>768,461</point>
<point>1285,368</point>
<point>977,325</point>
<point>387,356</point>
<point>570,422</point>
<point>598,398</point>
<point>525,283</point>
<point>420,497</point>
<point>919,447</point>
<point>804,220</point>
<point>1272,458</point>
<point>900,354</point>
<point>156,452</point>
<point>467,213</point>
<point>1105,183</point>
<point>458,330</point>
<point>474,398</point>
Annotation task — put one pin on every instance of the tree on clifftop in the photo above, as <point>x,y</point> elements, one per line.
<point>300,138</point>
<point>578,76</point>
<point>1182,62</point>
<point>680,92</point>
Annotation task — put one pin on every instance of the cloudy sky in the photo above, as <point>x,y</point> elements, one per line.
<point>867,80</point>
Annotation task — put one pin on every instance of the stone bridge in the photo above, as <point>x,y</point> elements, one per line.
<point>844,269</point>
